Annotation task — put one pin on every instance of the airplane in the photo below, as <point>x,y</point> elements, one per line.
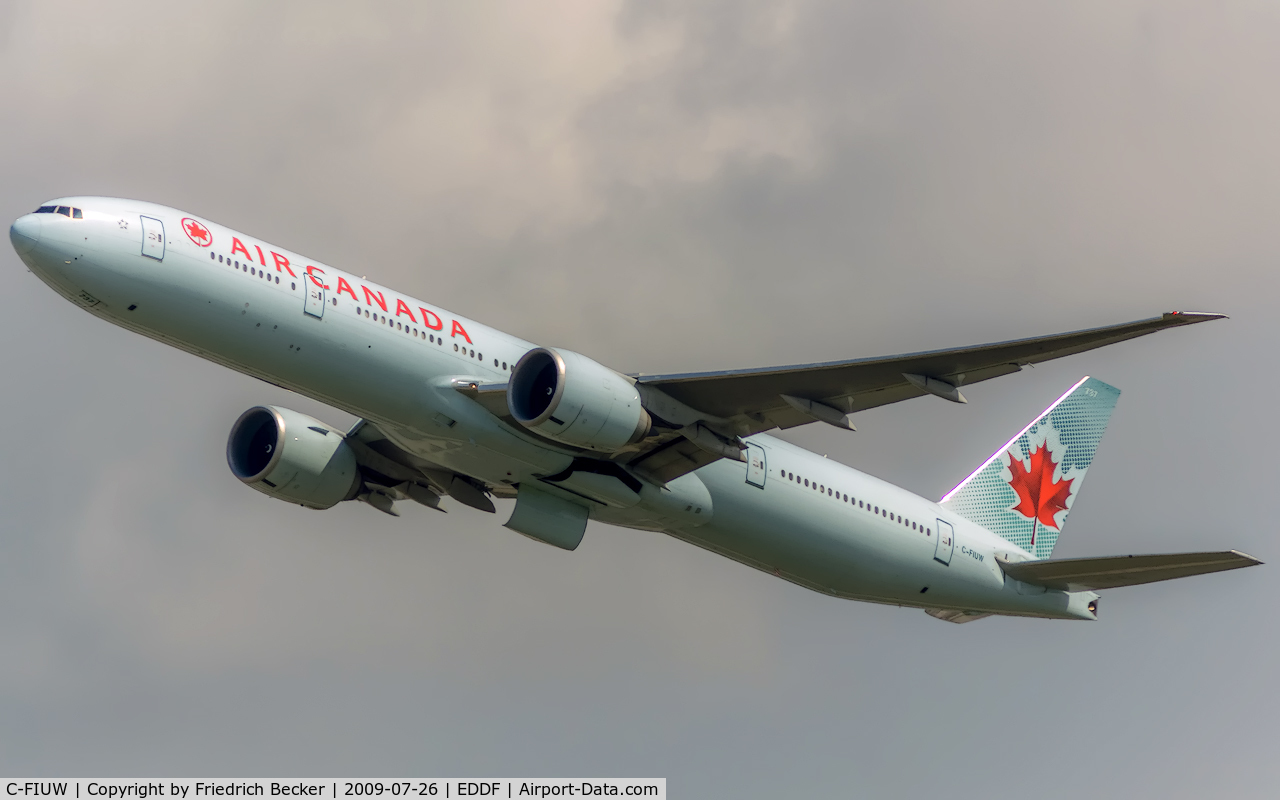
<point>449,407</point>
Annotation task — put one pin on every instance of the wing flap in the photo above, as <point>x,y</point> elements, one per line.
<point>1109,572</point>
<point>671,459</point>
<point>492,396</point>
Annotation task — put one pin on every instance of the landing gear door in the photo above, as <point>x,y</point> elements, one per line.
<point>315,298</point>
<point>757,467</point>
<point>153,238</point>
<point>946,542</point>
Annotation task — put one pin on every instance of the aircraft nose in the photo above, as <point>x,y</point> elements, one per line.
<point>25,233</point>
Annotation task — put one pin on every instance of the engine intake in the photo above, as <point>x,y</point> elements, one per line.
<point>571,399</point>
<point>292,457</point>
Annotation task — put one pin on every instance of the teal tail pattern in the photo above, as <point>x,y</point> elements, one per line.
<point>1026,489</point>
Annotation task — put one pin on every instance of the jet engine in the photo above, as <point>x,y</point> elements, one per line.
<point>576,401</point>
<point>292,457</point>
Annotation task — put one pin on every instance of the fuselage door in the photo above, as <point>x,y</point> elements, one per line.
<point>946,542</point>
<point>153,238</point>
<point>315,298</point>
<point>757,467</point>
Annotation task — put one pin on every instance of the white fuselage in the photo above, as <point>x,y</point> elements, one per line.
<point>393,360</point>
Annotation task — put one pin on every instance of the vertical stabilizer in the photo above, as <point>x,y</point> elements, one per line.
<point>1026,489</point>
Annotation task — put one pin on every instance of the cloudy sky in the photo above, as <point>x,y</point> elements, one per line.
<point>663,186</point>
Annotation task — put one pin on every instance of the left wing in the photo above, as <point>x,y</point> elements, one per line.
<point>389,473</point>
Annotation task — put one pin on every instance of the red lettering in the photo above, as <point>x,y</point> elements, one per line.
<point>281,261</point>
<point>261,260</point>
<point>238,246</point>
<point>374,297</point>
<point>343,286</point>
<point>311,274</point>
<point>399,305</point>
<point>430,320</point>
<point>458,329</point>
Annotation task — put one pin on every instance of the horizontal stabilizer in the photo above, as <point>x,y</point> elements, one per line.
<point>1108,572</point>
<point>951,615</point>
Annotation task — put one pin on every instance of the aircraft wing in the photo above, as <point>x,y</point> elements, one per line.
<point>869,382</point>
<point>394,473</point>
<point>1082,574</point>
<point>743,402</point>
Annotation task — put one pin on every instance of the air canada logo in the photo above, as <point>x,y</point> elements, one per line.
<point>197,232</point>
<point>1040,497</point>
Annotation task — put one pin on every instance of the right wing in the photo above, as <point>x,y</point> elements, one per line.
<point>869,382</point>
<point>1083,574</point>
<point>737,403</point>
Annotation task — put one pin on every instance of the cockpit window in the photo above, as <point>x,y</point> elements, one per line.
<point>66,211</point>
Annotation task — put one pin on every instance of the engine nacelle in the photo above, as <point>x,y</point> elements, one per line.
<point>292,457</point>
<point>576,401</point>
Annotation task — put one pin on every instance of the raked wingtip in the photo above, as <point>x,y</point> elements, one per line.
<point>1191,317</point>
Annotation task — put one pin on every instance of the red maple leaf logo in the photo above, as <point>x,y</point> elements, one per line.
<point>1039,496</point>
<point>197,232</point>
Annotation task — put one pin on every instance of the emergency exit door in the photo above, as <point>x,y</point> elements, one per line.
<point>946,542</point>
<point>757,467</point>
<point>153,238</point>
<point>315,298</point>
